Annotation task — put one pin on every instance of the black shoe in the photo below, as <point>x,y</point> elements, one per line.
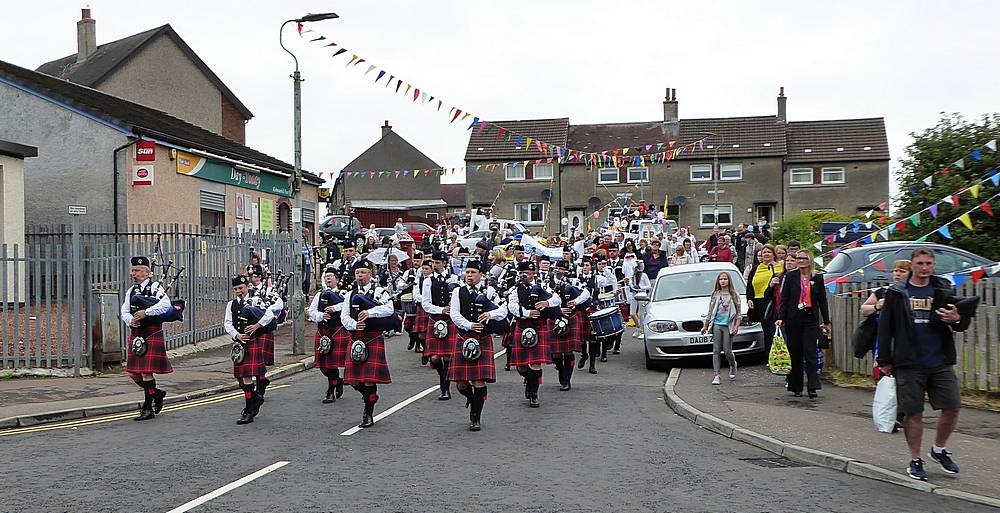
<point>329,396</point>
<point>474,426</point>
<point>593,370</point>
<point>366,421</point>
<point>604,359</point>
<point>616,351</point>
<point>410,346</point>
<point>158,400</point>
<point>245,418</point>
<point>796,394</point>
<point>145,415</point>
<point>424,360</point>
<point>813,394</point>
<point>583,361</point>
<point>339,389</point>
<point>445,395</point>
<point>944,458</point>
<point>506,367</point>
<point>533,401</point>
<point>565,387</point>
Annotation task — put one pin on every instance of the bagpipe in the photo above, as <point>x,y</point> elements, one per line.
<point>482,304</point>
<point>142,301</point>
<point>328,298</point>
<point>361,302</point>
<point>250,315</point>
<point>279,289</point>
<point>567,292</point>
<point>538,293</point>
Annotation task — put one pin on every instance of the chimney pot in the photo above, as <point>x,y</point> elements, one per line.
<point>673,95</point>
<point>86,36</point>
<point>671,123</point>
<point>386,128</point>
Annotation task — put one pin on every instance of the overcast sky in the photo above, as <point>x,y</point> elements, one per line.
<point>592,61</point>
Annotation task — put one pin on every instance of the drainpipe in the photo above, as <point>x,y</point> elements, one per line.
<point>781,186</point>
<point>114,194</point>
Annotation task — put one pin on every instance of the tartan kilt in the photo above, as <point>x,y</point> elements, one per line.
<point>521,356</point>
<point>483,369</point>
<point>576,335</point>
<point>376,369</point>
<point>408,323</point>
<point>626,311</point>
<point>254,363</point>
<point>340,343</point>
<point>434,346</point>
<point>268,347</point>
<point>420,323</point>
<point>506,337</point>
<point>155,360</point>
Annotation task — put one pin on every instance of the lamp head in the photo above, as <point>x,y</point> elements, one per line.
<point>317,17</point>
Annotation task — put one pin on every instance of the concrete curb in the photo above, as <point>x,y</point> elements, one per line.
<point>805,454</point>
<point>129,406</point>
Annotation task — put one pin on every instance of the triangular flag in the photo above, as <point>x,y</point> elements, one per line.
<point>985,207</point>
<point>843,231</point>
<point>928,181</point>
<point>976,155</point>
<point>992,145</point>
<point>831,287</point>
<point>883,206</point>
<point>868,215</point>
<point>884,234</point>
<point>868,225</point>
<point>978,274</point>
<point>338,52</point>
<point>354,57</point>
<point>958,279</point>
<point>954,199</point>
<point>381,74</point>
<point>934,210</point>
<point>945,232</point>
<point>960,163</point>
<point>966,220</point>
<point>880,265</point>
<point>900,226</point>
<point>974,190</point>
<point>818,260</point>
<point>922,238</point>
<point>995,178</point>
<point>299,26</point>
<point>818,245</point>
<point>370,68</point>
<point>995,269</point>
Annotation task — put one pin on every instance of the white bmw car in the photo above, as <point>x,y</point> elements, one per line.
<point>676,308</point>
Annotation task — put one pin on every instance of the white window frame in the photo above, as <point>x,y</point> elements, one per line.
<point>701,168</point>
<point>549,176</point>
<point>507,176</point>
<point>645,175</point>
<point>529,205</point>
<point>824,181</point>
<point>600,172</point>
<point>791,175</point>
<point>711,209</point>
<point>722,171</point>
<point>433,216</point>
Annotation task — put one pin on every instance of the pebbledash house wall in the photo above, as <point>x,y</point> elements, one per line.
<point>157,75</point>
<point>73,166</point>
<point>866,185</point>
<point>482,187</point>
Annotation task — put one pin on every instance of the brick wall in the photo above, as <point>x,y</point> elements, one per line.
<point>233,124</point>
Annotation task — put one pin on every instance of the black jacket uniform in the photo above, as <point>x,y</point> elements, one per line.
<point>897,341</point>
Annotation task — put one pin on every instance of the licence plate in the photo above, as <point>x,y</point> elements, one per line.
<point>704,339</point>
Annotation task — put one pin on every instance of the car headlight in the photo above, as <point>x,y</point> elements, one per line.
<point>661,326</point>
<point>745,321</point>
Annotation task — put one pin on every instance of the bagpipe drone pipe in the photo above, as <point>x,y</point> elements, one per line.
<point>393,322</point>
<point>143,301</point>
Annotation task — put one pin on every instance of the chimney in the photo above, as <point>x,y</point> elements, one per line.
<point>671,123</point>
<point>782,116</point>
<point>86,36</point>
<point>386,128</point>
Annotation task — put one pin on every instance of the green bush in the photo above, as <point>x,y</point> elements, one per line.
<point>804,226</point>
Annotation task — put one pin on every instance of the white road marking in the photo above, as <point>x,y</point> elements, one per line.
<point>399,406</point>
<point>227,488</point>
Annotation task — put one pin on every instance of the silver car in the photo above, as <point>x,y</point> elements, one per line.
<point>675,310</point>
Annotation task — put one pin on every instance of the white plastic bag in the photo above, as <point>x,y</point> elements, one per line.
<point>884,404</point>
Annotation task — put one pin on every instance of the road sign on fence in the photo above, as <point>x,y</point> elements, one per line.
<point>77,210</point>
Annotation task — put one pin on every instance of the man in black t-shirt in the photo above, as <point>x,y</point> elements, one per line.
<point>916,345</point>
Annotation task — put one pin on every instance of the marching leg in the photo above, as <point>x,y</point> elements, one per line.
<point>466,390</point>
<point>158,396</point>
<point>148,391</point>
<point>249,395</point>
<point>568,365</point>
<point>444,383</point>
<point>595,349</point>
<point>478,400</point>
<point>534,381</point>
<point>618,344</point>
<point>583,355</point>
<point>507,366</point>
<point>331,377</point>
<point>262,383</point>
<point>605,345</point>
<point>370,394</point>
<point>557,359</point>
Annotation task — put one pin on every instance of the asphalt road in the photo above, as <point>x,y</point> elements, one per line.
<point>610,444</point>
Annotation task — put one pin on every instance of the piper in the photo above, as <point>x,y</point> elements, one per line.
<point>530,343</point>
<point>147,351</point>
<point>247,319</point>
<point>440,334</point>
<point>332,340</point>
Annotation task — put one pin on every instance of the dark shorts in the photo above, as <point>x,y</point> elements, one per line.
<point>940,385</point>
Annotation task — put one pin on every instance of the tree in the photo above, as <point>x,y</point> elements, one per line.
<point>934,154</point>
<point>804,226</point>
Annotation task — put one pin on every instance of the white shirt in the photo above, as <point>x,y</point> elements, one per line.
<point>378,294</point>
<point>161,307</point>
<point>313,312</point>
<point>247,300</point>
<point>514,306</point>
<point>425,293</point>
<point>456,306</point>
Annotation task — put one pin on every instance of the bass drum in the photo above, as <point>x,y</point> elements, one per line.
<point>607,322</point>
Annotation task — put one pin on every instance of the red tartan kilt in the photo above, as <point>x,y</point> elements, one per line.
<point>625,311</point>
<point>506,338</point>
<point>482,369</point>
<point>576,335</point>
<point>408,323</point>
<point>155,360</point>
<point>376,369</point>
<point>434,346</point>
<point>420,323</point>
<point>254,363</point>
<point>340,343</point>
<point>540,354</point>
<point>268,340</point>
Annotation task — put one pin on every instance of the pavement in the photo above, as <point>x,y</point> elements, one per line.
<point>836,430</point>
<point>199,367</point>
<point>610,444</point>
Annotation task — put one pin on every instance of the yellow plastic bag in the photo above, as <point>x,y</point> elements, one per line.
<point>778,360</point>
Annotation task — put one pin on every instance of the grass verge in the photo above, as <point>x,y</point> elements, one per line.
<point>970,398</point>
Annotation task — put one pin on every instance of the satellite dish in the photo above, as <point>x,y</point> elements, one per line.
<point>594,203</point>
<point>565,221</point>
<point>681,201</point>
<point>546,194</point>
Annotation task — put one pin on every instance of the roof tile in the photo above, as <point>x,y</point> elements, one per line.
<point>837,140</point>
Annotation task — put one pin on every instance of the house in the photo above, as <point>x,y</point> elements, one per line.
<point>155,68</point>
<point>375,187</point>
<point>12,157</point>
<point>132,164</point>
<point>744,169</point>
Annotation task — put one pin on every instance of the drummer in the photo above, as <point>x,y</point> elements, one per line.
<point>529,360</point>
<point>578,329</point>
<point>406,284</point>
<point>592,282</point>
<point>616,264</point>
<point>608,291</point>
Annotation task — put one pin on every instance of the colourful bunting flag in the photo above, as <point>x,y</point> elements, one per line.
<point>880,265</point>
<point>957,279</point>
<point>985,207</point>
<point>381,74</point>
<point>927,181</point>
<point>945,232</point>
<point>339,52</point>
<point>978,274</point>
<point>966,220</point>
<point>976,155</point>
<point>960,163</point>
<point>922,238</point>
<point>934,210</point>
<point>818,245</point>
<point>992,145</point>
<point>974,190</point>
<point>995,178</point>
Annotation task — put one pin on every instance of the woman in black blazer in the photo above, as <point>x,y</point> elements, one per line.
<point>801,314</point>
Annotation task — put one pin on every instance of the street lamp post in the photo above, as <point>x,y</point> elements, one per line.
<point>298,298</point>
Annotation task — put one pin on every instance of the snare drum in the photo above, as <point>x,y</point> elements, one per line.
<point>409,307</point>
<point>606,300</point>
<point>607,322</point>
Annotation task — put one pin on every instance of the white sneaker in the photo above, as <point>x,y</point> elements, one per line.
<point>716,380</point>
<point>640,336</point>
<point>732,371</point>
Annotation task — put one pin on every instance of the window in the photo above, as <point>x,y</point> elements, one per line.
<point>731,172</point>
<point>701,172</point>
<point>529,212</point>
<point>638,175</point>
<point>801,176</point>
<point>833,175</point>
<point>607,175</point>
<point>709,217</point>
<point>432,215</point>
<point>514,172</point>
<point>543,172</point>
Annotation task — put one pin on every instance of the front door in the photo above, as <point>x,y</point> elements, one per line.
<point>765,211</point>
<point>576,218</point>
